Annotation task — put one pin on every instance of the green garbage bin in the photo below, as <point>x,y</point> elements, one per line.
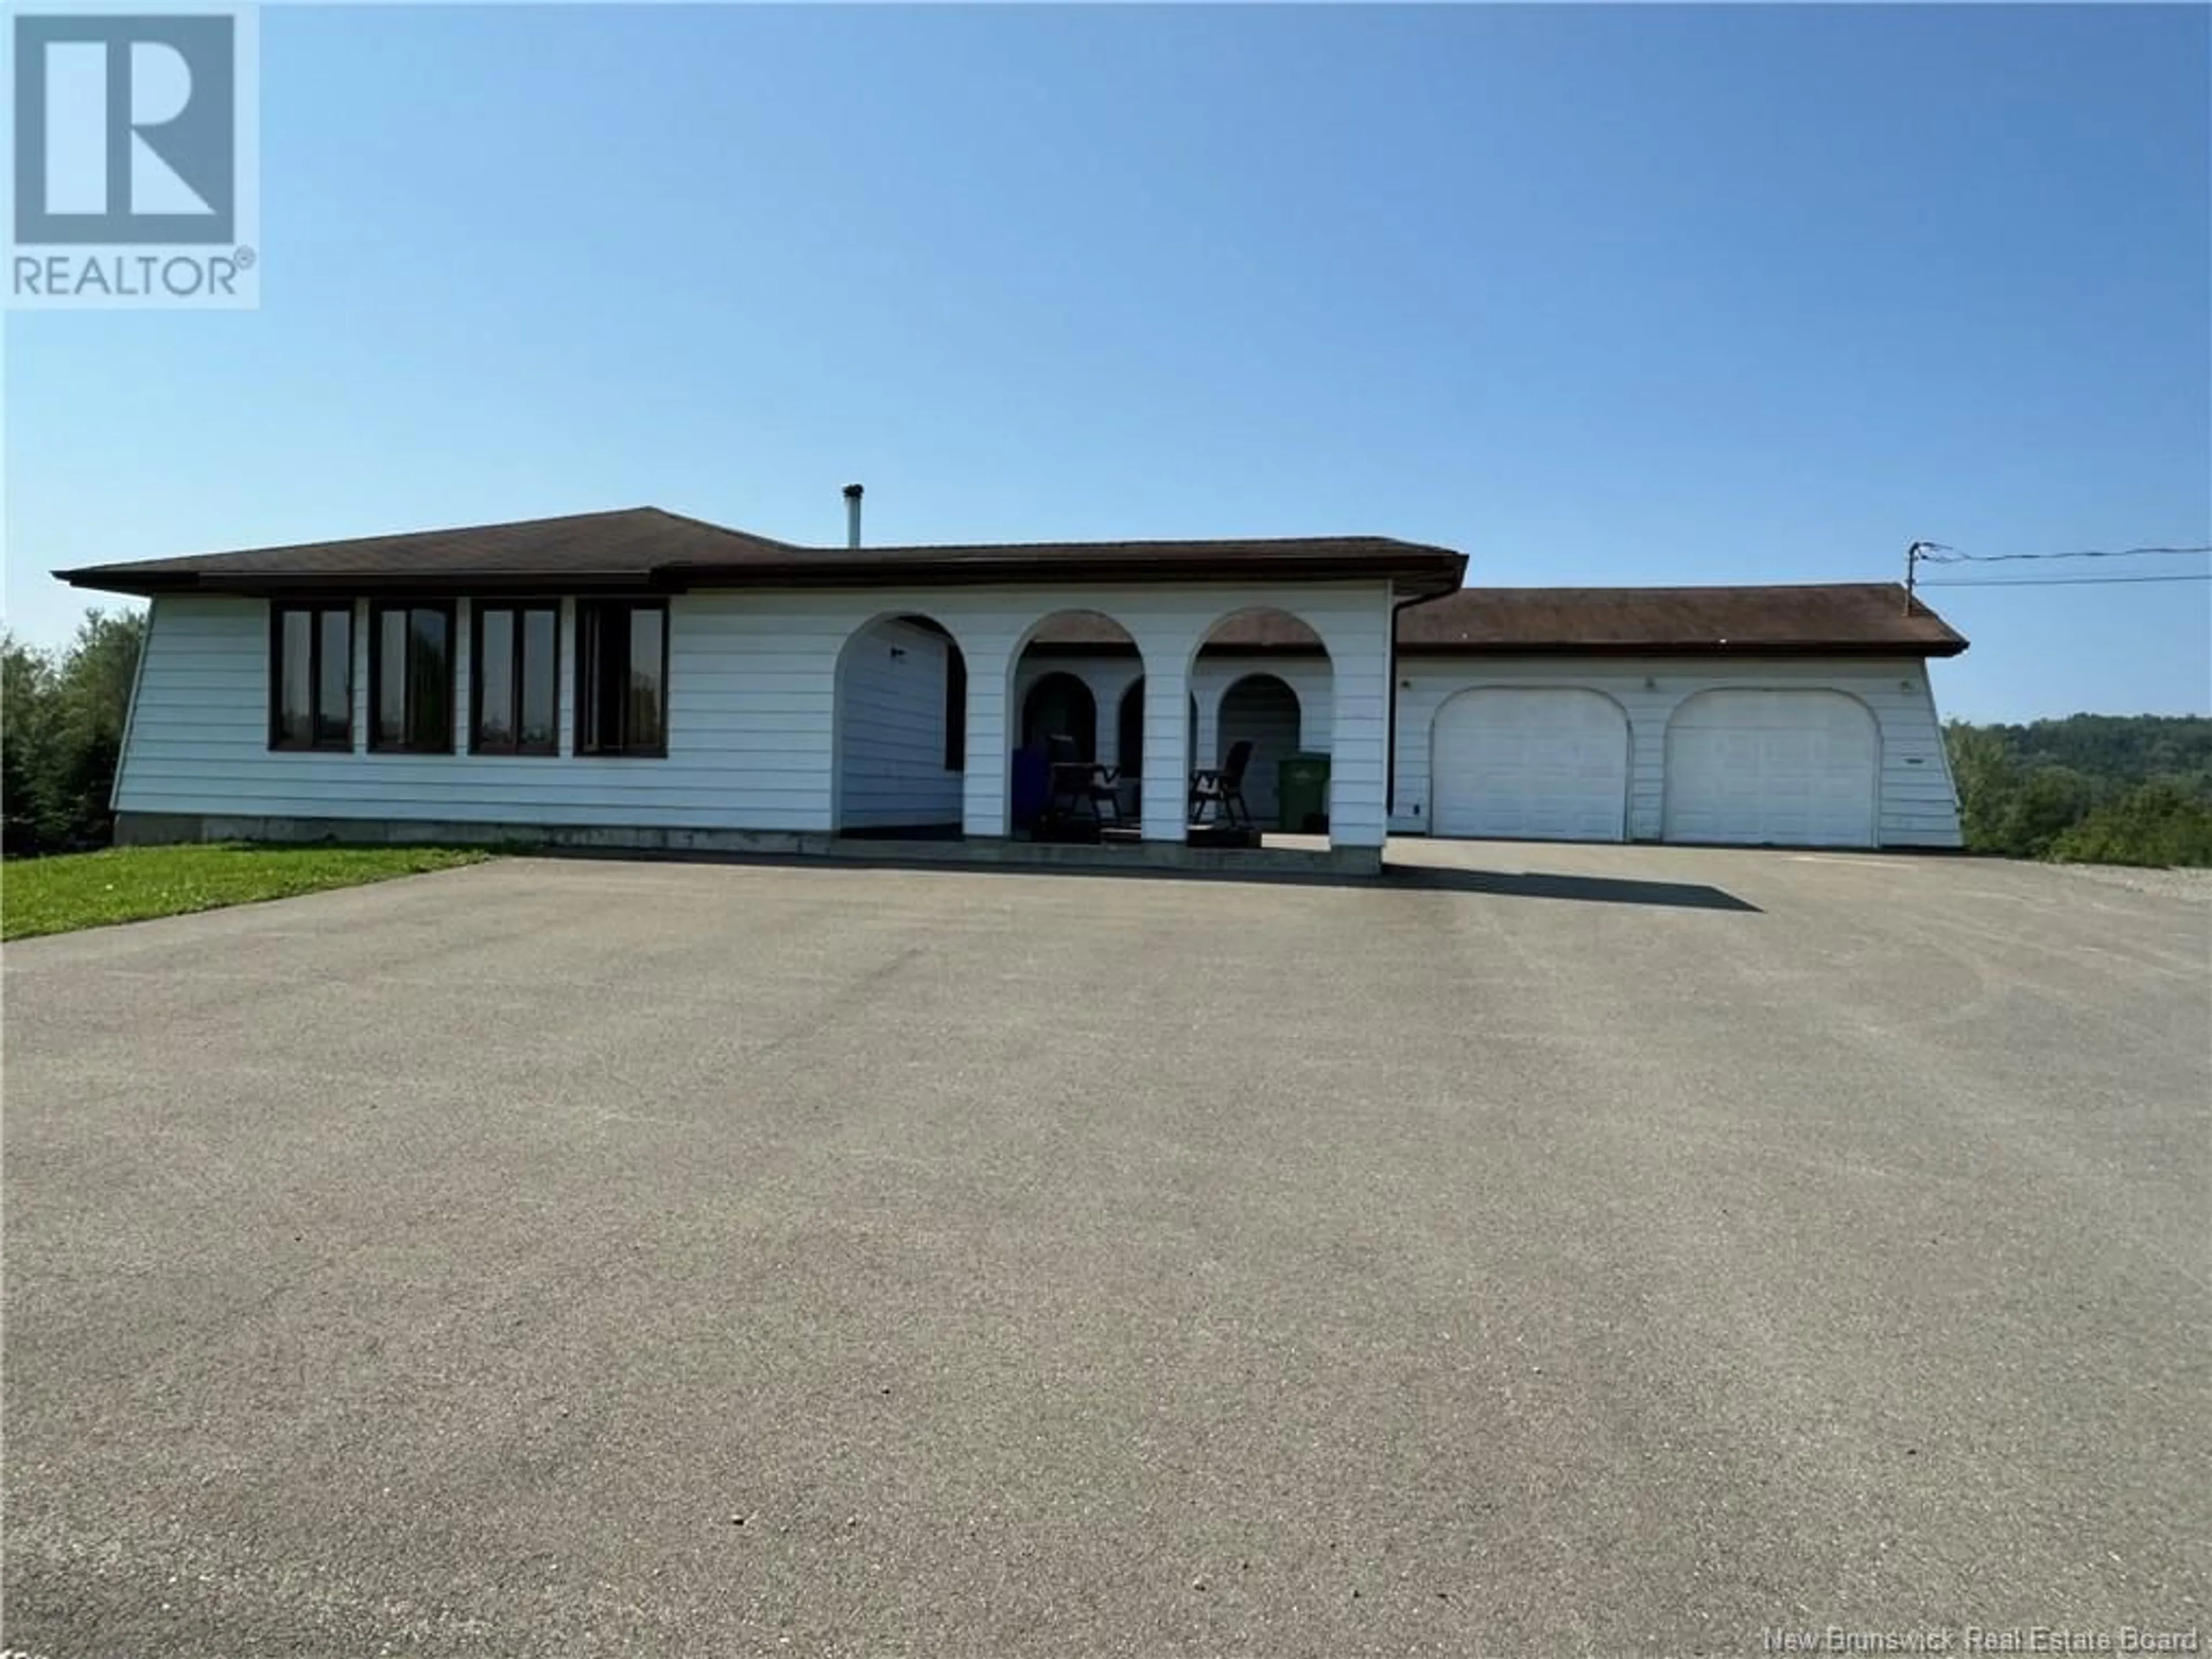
<point>1302,794</point>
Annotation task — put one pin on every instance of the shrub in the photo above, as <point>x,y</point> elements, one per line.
<point>61,733</point>
<point>2161,823</point>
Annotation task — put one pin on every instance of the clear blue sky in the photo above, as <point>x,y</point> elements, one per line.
<point>1641,295</point>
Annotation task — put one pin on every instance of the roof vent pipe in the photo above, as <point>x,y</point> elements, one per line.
<point>852,515</point>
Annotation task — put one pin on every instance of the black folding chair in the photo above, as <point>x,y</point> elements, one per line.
<point>1080,791</point>
<point>1220,790</point>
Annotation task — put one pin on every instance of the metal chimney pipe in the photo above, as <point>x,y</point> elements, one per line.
<point>852,515</point>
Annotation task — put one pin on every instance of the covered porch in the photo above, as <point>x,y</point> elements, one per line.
<point>1118,718</point>
<point>1260,723</point>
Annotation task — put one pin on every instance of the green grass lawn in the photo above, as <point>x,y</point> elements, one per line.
<point>132,883</point>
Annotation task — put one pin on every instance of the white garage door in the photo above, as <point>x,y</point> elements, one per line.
<point>1549,764</point>
<point>1772,768</point>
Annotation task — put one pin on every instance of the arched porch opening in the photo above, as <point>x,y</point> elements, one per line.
<point>1065,765</point>
<point>1060,705</point>
<point>1265,685</point>
<point>899,730</point>
<point>1263,710</point>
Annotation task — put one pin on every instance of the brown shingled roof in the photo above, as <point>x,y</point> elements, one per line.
<point>582,546</point>
<point>649,549</point>
<point>1829,618</point>
<point>1832,618</point>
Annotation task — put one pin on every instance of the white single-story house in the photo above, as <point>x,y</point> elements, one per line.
<point>642,678</point>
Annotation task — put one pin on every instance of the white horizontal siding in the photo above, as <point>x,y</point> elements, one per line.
<point>753,708</point>
<point>199,740</point>
<point>1917,808</point>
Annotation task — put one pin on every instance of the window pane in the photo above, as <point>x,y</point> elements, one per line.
<point>600,731</point>
<point>603,657</point>
<point>429,681</point>
<point>644,725</point>
<point>495,672</point>
<point>295,718</point>
<point>333,691</point>
<point>390,678</point>
<point>541,699</point>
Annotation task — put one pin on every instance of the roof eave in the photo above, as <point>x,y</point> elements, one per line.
<point>1865,648</point>
<point>1428,575</point>
<point>368,585</point>
<point>143,584</point>
<point>1413,570</point>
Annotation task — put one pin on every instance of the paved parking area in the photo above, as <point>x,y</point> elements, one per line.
<point>1552,1251</point>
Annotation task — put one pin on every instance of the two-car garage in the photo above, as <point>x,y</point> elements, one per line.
<point>1775,768</point>
<point>1798,717</point>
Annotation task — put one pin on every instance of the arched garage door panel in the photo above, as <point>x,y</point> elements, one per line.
<point>1772,768</point>
<point>1547,764</point>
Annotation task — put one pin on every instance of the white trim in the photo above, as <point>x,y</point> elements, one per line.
<point>131,711</point>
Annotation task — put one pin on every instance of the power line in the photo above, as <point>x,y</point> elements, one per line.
<point>1936,553</point>
<point>2073,582</point>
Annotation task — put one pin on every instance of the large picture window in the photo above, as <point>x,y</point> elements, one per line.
<point>516,657</point>
<point>622,676</point>
<point>410,678</point>
<point>311,676</point>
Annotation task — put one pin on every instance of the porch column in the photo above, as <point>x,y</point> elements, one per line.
<point>1167,748</point>
<point>1359,749</point>
<point>983,793</point>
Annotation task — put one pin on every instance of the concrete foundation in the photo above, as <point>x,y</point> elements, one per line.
<point>1307,856</point>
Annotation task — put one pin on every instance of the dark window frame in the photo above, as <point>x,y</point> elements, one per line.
<point>521,607</point>
<point>315,609</point>
<point>378,610</point>
<point>588,610</point>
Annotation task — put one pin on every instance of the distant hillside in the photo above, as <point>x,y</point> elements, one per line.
<point>2090,788</point>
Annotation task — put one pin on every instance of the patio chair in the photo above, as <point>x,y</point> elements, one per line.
<point>1220,789</point>
<point>1081,791</point>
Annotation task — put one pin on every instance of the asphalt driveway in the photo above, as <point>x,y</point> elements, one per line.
<point>1603,1251</point>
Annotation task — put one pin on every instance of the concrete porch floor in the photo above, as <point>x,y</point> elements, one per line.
<point>1277,855</point>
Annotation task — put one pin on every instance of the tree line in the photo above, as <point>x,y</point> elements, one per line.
<point>2092,788</point>
<point>61,733</point>
<point>2087,789</point>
